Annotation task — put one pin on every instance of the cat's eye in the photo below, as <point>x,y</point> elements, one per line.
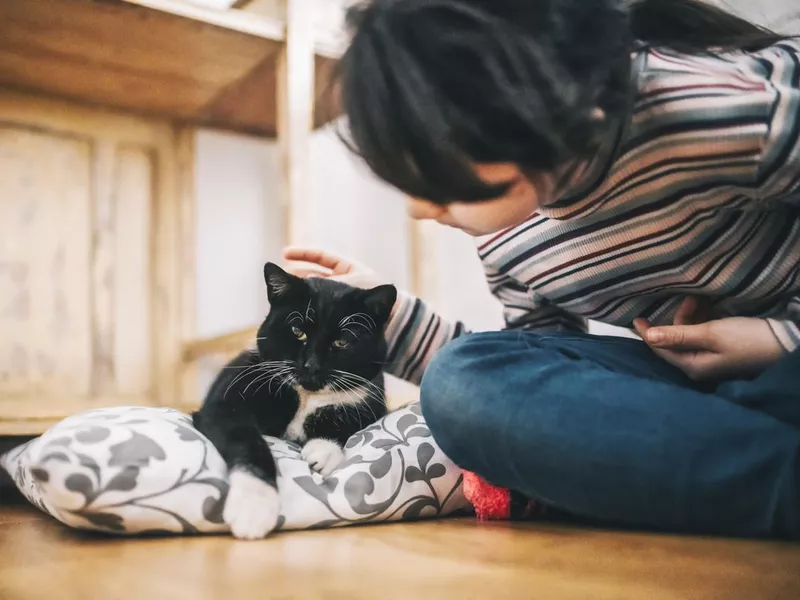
<point>299,334</point>
<point>340,344</point>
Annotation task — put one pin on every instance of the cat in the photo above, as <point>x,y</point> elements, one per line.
<point>315,378</point>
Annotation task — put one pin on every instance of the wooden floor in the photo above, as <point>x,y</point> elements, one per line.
<point>40,560</point>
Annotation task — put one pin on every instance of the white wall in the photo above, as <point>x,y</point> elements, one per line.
<point>356,214</point>
<point>783,15</point>
<point>239,227</point>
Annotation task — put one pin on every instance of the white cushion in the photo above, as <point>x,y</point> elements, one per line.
<point>134,470</point>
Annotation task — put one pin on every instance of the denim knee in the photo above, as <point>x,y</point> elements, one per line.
<point>450,396</point>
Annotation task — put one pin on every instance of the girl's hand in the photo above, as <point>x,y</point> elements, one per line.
<point>713,350</point>
<point>319,263</point>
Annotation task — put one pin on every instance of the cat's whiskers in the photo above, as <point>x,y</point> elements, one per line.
<point>286,380</point>
<point>371,410</point>
<point>288,367</point>
<point>359,381</point>
<point>370,321</point>
<point>259,367</point>
<point>350,387</point>
<point>343,408</point>
<point>356,383</point>
<point>360,320</point>
<point>246,371</point>
<point>364,385</point>
<point>280,373</point>
<point>338,388</point>
<point>295,316</point>
<point>259,377</point>
<point>309,313</point>
<point>351,332</point>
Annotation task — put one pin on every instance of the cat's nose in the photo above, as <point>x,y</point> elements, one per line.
<point>311,366</point>
<point>311,376</point>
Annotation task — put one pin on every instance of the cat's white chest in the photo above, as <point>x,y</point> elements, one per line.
<point>309,403</point>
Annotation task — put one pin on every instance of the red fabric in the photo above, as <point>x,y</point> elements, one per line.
<point>491,502</point>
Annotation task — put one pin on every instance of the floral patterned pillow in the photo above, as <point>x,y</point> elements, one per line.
<point>134,470</point>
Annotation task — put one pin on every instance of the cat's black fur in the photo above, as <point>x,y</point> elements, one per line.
<point>318,333</point>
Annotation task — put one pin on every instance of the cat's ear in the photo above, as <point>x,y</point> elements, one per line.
<point>380,302</point>
<point>280,284</point>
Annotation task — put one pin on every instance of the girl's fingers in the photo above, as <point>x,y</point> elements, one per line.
<point>327,260</point>
<point>693,311</point>
<point>641,326</point>
<point>687,312</point>
<point>307,271</point>
<point>682,360</point>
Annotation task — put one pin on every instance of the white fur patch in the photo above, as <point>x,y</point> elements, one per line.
<point>252,506</point>
<point>323,455</point>
<point>313,401</point>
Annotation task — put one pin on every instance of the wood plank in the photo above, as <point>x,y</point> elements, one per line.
<point>327,105</point>
<point>17,419</point>
<point>449,559</point>
<point>103,257</point>
<point>268,29</point>
<point>295,115</point>
<point>249,104</point>
<point>164,58</point>
<point>185,154</point>
<point>166,294</point>
<point>46,344</point>
<point>228,343</point>
<point>73,119</point>
<point>171,64</point>
<point>134,196</point>
<point>330,36</point>
<point>52,408</point>
<point>83,194</point>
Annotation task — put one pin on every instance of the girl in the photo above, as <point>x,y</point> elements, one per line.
<point>632,163</point>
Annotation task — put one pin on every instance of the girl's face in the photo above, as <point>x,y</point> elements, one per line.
<point>523,198</point>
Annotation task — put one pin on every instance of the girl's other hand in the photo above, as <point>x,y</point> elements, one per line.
<point>311,262</point>
<point>712,350</point>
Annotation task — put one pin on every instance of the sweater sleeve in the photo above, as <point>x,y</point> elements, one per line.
<point>415,332</point>
<point>788,330</point>
<point>779,167</point>
<point>779,162</point>
<point>413,335</point>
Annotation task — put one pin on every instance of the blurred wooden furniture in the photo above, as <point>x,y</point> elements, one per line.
<point>99,101</point>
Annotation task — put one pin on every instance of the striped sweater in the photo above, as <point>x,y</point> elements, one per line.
<point>697,194</point>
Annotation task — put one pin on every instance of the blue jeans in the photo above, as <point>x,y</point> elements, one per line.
<point>601,428</point>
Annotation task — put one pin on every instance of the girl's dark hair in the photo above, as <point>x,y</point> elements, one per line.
<point>431,87</point>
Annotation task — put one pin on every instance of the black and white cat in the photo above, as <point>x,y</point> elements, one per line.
<point>315,379</point>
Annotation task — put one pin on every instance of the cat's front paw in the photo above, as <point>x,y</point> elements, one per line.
<point>323,455</point>
<point>252,506</point>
